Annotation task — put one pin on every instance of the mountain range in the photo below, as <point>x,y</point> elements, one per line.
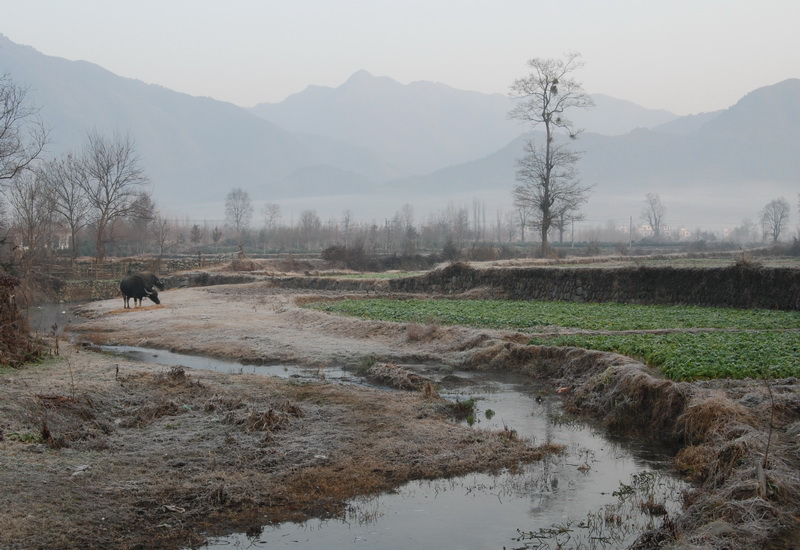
<point>373,144</point>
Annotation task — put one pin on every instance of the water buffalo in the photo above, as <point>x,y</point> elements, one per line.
<point>139,286</point>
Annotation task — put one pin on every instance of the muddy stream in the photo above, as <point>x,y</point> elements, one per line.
<point>600,493</point>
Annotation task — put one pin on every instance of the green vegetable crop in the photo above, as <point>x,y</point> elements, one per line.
<point>740,343</point>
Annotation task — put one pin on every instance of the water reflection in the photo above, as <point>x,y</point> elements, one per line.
<point>580,499</point>
<point>48,318</point>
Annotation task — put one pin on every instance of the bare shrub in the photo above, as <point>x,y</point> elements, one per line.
<point>17,345</point>
<point>746,260</point>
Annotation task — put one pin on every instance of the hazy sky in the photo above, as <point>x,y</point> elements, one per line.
<point>686,56</point>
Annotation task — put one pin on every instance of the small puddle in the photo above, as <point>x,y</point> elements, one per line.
<point>594,496</point>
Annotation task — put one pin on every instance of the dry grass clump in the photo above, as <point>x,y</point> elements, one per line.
<point>429,391</point>
<point>176,377</point>
<point>66,421</point>
<point>630,400</point>
<point>416,332</point>
<point>244,264</point>
<point>694,461</point>
<point>138,417</point>
<point>397,377</point>
<point>270,420</point>
<point>708,415</point>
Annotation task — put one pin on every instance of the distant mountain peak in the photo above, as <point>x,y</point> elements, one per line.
<point>359,76</point>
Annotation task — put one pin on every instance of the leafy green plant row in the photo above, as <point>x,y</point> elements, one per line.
<point>750,341</point>
<point>538,315</point>
<point>692,355</point>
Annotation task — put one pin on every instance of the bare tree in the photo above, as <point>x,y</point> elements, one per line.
<point>774,218</point>
<point>195,234</point>
<point>548,184</point>
<point>510,224</point>
<point>22,133</point>
<point>557,203</point>
<point>744,232</point>
<point>309,226</point>
<point>522,213</point>
<point>6,244</point>
<point>161,231</point>
<point>272,214</point>
<point>113,182</point>
<point>566,219</point>
<point>238,210</point>
<point>653,213</point>
<point>33,218</point>
<point>63,180</point>
<point>139,222</point>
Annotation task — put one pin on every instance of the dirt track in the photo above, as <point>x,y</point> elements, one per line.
<point>259,324</point>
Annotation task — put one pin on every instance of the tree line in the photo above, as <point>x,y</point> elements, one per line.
<point>97,200</point>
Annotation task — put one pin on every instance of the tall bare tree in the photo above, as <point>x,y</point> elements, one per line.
<point>653,213</point>
<point>63,180</point>
<point>23,135</point>
<point>238,210</point>
<point>557,203</point>
<point>774,218</point>
<point>548,185</point>
<point>113,182</point>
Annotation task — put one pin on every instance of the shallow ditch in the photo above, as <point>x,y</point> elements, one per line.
<point>600,493</point>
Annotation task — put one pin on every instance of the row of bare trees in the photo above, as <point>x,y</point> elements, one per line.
<point>774,218</point>
<point>94,189</point>
<point>399,234</point>
<point>101,193</point>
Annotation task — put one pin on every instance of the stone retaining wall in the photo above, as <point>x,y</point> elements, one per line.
<point>768,288</point>
<point>734,286</point>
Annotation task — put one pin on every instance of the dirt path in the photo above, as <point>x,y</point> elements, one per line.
<point>259,324</point>
<point>100,452</point>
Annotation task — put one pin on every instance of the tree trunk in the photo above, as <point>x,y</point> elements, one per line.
<point>101,245</point>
